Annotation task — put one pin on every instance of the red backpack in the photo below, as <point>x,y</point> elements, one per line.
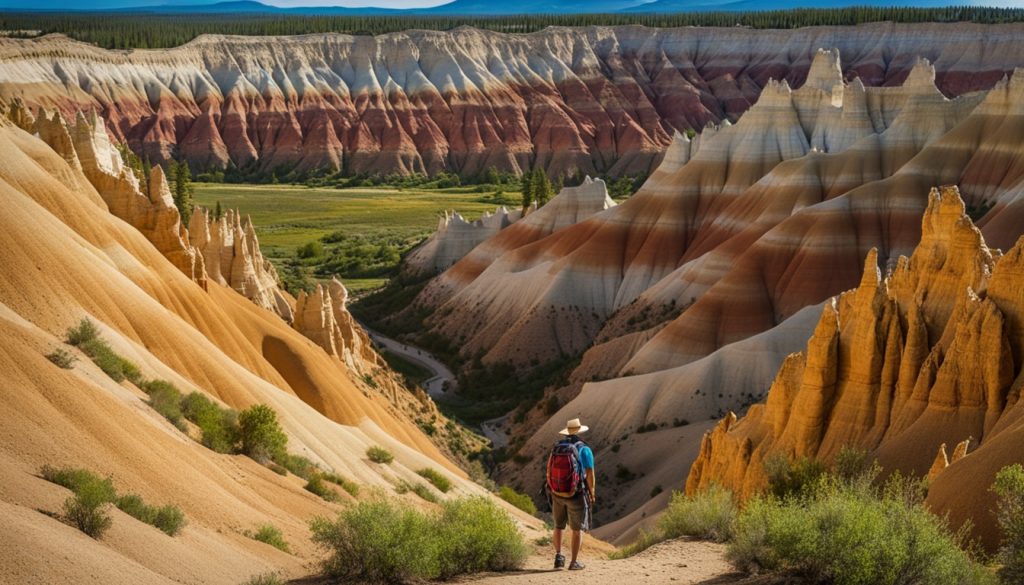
<point>564,469</point>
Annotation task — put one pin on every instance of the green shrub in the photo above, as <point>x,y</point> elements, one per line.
<point>417,488</point>
<point>165,398</point>
<point>298,465</point>
<point>437,478</point>
<point>854,465</point>
<point>475,535</point>
<point>312,249</point>
<point>387,542</point>
<point>708,515</point>
<point>379,454</point>
<point>316,485</point>
<point>260,434</point>
<point>645,541</point>
<point>272,535</point>
<point>219,426</point>
<point>62,358</point>
<point>346,484</point>
<point>521,501</point>
<point>1009,490</point>
<point>265,579</point>
<point>76,479</point>
<point>84,510</point>
<point>169,519</point>
<point>86,336</point>
<point>85,332</point>
<point>849,534</point>
<point>377,542</point>
<point>786,478</point>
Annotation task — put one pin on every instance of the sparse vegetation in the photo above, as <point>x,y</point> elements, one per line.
<point>86,337</point>
<point>62,358</point>
<point>219,426</point>
<point>165,398</point>
<point>270,534</point>
<point>708,515</point>
<point>387,542</point>
<point>788,478</point>
<point>346,484</point>
<point>92,493</point>
<point>316,485</point>
<point>1009,490</point>
<point>417,488</point>
<point>521,501</point>
<point>379,454</point>
<point>265,579</point>
<point>435,477</point>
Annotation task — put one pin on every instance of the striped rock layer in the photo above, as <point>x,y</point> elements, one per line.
<point>900,367</point>
<point>686,298</point>
<point>593,100</point>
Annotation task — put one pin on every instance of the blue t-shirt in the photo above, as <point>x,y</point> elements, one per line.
<point>586,456</point>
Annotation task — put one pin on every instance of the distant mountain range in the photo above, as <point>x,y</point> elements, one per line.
<point>484,7</point>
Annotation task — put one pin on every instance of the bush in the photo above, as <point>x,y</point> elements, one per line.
<point>708,515</point>
<point>521,501</point>
<point>377,542</point>
<point>316,485</point>
<point>260,434</point>
<point>1009,490</point>
<point>165,398</point>
<point>272,535</point>
<point>62,358</point>
<point>219,426</point>
<point>386,542</point>
<point>849,534</point>
<point>346,484</point>
<point>645,541</point>
<point>379,454</point>
<point>77,479</point>
<point>787,478</point>
<point>312,249</point>
<point>169,519</point>
<point>265,579</point>
<point>475,535</point>
<point>86,331</point>
<point>435,477</point>
<point>419,489</point>
<point>298,465</point>
<point>84,510</point>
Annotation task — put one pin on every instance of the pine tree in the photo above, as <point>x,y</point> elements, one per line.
<point>540,187</point>
<point>527,190</point>
<point>182,193</point>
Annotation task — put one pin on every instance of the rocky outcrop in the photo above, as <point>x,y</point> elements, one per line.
<point>323,317</point>
<point>899,367</point>
<point>454,238</point>
<point>231,252</point>
<point>597,99</point>
<point>86,147</point>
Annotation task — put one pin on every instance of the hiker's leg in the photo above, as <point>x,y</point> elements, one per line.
<point>556,539</point>
<point>577,542</point>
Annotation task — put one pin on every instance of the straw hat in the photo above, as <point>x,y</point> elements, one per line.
<point>574,427</point>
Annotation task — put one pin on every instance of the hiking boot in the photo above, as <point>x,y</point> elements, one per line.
<point>559,561</point>
<point>576,566</point>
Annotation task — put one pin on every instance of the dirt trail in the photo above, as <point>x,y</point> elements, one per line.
<point>676,562</point>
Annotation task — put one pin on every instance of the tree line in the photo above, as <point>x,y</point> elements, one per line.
<point>147,30</point>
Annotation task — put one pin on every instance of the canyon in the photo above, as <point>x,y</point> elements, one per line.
<point>597,100</point>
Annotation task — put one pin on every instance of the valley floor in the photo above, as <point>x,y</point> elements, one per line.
<point>676,562</point>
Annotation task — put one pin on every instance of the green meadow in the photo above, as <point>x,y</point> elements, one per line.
<point>360,230</point>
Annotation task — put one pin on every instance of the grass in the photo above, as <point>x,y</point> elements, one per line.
<point>86,337</point>
<point>388,542</point>
<point>346,484</point>
<point>288,217</point>
<point>62,358</point>
<point>435,477</point>
<point>315,484</point>
<point>265,579</point>
<point>421,490</point>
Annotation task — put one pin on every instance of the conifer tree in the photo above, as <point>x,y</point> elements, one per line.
<point>527,190</point>
<point>541,187</point>
<point>182,191</point>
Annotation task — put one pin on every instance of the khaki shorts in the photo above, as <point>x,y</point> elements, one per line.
<point>568,509</point>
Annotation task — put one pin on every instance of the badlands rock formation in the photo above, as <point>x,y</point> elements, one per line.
<point>900,367</point>
<point>231,253</point>
<point>70,258</point>
<point>455,237</point>
<point>685,299</point>
<point>594,99</point>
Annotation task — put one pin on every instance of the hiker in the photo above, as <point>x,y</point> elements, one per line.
<point>570,483</point>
